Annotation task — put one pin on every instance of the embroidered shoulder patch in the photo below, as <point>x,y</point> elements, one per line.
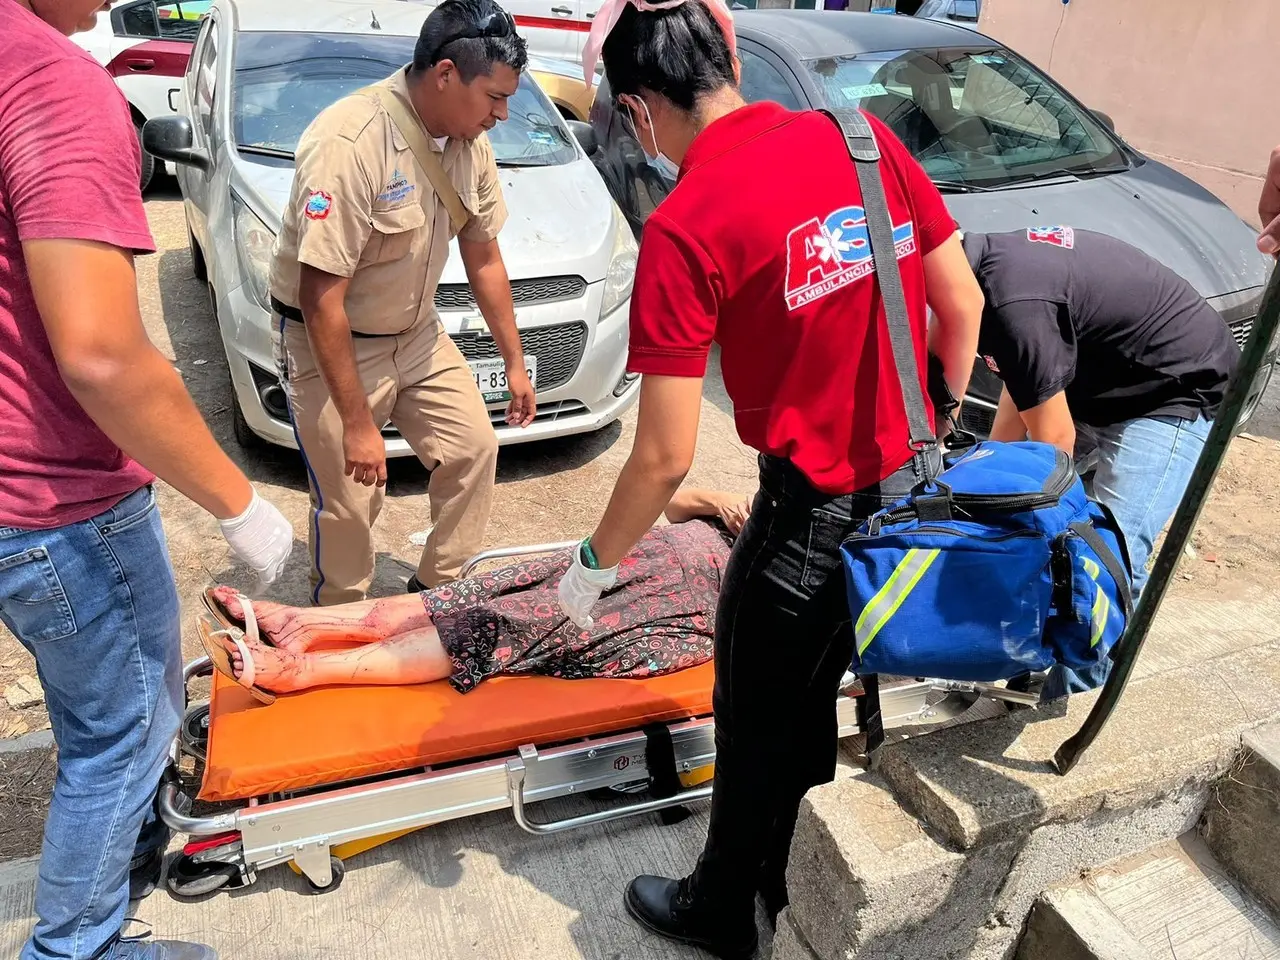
<point>318,205</point>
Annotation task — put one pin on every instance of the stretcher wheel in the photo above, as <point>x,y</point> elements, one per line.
<point>337,871</point>
<point>195,730</point>
<point>187,878</point>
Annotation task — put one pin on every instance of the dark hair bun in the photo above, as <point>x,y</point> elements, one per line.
<point>680,53</point>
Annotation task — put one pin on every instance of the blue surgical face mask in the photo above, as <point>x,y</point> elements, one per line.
<point>662,163</point>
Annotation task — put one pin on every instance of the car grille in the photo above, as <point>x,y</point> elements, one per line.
<point>524,293</point>
<point>977,419</point>
<point>498,415</point>
<point>1241,330</point>
<point>558,349</point>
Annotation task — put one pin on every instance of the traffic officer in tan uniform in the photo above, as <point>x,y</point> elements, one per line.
<point>385,178</point>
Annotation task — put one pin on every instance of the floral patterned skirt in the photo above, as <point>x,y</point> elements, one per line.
<point>660,617</point>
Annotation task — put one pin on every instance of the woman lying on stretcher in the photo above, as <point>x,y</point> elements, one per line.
<point>659,618</point>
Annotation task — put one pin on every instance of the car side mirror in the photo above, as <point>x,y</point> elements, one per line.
<point>585,134</point>
<point>1105,120</point>
<point>171,138</point>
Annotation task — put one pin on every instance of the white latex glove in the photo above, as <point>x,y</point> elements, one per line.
<point>260,537</point>
<point>581,587</point>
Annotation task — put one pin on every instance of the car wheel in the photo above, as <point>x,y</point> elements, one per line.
<point>148,161</point>
<point>199,269</point>
<point>240,429</point>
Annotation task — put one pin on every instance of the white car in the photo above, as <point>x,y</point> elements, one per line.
<point>261,71</point>
<point>145,45</point>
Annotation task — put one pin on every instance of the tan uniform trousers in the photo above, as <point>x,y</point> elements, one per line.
<point>419,381</point>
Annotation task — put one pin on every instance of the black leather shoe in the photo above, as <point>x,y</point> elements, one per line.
<point>414,585</point>
<point>667,908</point>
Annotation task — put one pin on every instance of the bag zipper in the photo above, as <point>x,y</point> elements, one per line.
<point>949,532</point>
<point>1055,486</point>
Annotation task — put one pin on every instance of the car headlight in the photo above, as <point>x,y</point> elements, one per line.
<point>254,243</point>
<point>622,265</point>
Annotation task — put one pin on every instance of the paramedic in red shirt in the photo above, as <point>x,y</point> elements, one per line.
<point>762,248</point>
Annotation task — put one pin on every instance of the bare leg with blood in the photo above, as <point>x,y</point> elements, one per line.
<point>408,658</point>
<point>300,629</point>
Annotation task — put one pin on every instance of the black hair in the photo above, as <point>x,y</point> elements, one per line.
<point>680,53</point>
<point>474,34</point>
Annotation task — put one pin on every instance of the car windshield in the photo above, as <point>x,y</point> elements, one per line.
<point>972,119</point>
<point>282,80</point>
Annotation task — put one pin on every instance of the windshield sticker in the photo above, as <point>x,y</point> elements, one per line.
<point>1063,237</point>
<point>396,189</point>
<point>987,58</point>
<point>543,137</point>
<point>863,91</point>
<point>318,205</point>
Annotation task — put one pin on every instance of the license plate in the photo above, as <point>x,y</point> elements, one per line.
<point>491,377</point>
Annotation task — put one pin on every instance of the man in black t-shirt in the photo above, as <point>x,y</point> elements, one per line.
<point>1102,348</point>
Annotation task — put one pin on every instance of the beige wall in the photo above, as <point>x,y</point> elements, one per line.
<point>1188,82</point>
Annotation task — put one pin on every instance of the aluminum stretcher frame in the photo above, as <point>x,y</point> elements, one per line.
<point>305,827</point>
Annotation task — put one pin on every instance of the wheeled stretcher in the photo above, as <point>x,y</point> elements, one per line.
<point>321,775</point>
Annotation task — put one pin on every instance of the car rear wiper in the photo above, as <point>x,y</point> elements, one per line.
<point>959,186</point>
<point>264,151</point>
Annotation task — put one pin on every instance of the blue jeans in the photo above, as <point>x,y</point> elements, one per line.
<point>1143,470</point>
<point>95,604</point>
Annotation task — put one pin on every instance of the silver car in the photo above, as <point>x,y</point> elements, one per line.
<point>260,72</point>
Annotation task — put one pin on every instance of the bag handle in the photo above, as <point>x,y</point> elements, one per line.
<point>866,161</point>
<point>406,121</point>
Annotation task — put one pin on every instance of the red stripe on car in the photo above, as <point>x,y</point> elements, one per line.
<point>554,23</point>
<point>152,58</point>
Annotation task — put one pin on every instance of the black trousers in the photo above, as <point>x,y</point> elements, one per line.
<point>783,640</point>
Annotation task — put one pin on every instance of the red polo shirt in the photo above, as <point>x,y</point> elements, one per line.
<point>762,248</point>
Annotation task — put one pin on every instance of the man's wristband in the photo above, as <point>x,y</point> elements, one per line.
<point>588,555</point>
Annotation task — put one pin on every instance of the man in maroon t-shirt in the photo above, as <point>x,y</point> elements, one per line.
<point>91,413</point>
<point>763,248</point>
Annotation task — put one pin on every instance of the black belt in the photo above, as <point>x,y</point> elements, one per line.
<point>294,314</point>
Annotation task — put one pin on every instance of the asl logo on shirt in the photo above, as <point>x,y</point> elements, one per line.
<point>823,256</point>
<point>1063,237</point>
<point>318,205</point>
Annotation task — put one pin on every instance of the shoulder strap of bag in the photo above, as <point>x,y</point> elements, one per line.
<point>1109,560</point>
<point>403,117</point>
<point>866,160</point>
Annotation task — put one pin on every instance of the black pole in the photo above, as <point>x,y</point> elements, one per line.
<point>1184,521</point>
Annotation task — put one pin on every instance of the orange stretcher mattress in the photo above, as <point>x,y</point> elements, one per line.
<point>334,734</point>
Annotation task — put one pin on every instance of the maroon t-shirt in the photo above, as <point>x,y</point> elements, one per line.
<point>69,169</point>
<point>775,265</point>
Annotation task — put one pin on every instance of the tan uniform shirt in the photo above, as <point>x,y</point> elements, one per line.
<point>356,210</point>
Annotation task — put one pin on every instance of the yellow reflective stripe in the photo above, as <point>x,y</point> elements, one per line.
<point>891,596</point>
<point>1101,610</point>
<point>1101,603</point>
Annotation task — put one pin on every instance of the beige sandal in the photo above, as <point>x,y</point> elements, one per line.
<point>211,638</point>
<point>249,625</point>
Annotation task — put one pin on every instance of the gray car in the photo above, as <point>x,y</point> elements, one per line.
<point>260,73</point>
<point>1009,148</point>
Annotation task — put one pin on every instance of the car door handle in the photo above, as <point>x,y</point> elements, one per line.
<point>591,16</point>
<point>173,106</point>
<point>140,64</point>
<point>562,11</point>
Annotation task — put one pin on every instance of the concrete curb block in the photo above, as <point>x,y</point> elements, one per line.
<point>789,942</point>
<point>1242,819</point>
<point>1075,925</point>
<point>942,855</point>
